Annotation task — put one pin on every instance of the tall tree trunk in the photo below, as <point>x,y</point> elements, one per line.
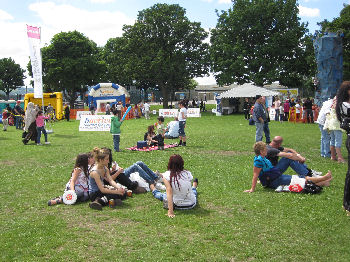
<point>165,96</point>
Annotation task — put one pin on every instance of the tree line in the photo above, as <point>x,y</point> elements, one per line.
<point>259,41</point>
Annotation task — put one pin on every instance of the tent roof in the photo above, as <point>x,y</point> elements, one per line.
<point>248,90</point>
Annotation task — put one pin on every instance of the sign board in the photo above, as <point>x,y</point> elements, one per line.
<point>80,113</point>
<point>95,123</point>
<point>168,112</point>
<point>193,112</point>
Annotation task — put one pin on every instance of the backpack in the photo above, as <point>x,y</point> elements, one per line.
<point>311,188</point>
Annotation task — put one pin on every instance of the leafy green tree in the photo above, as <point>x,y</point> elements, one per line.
<point>165,49</point>
<point>11,75</point>
<point>258,41</point>
<point>342,24</point>
<point>71,63</point>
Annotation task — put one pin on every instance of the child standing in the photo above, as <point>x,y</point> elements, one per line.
<point>5,121</point>
<point>115,129</point>
<point>40,127</point>
<point>281,114</point>
<point>182,122</point>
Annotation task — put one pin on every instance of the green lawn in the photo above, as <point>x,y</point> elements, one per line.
<point>228,225</point>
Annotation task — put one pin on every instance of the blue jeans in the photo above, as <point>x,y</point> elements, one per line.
<point>336,138</point>
<point>18,120</point>
<point>277,114</point>
<point>259,131</point>
<point>299,168</point>
<point>325,140</point>
<point>143,170</point>
<point>116,140</point>
<point>40,129</point>
<point>282,180</point>
<point>160,196</point>
<point>267,132</point>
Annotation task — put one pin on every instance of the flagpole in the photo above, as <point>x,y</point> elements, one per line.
<point>42,98</point>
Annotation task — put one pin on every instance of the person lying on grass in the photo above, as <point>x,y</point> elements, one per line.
<point>119,175</point>
<point>179,192</point>
<point>271,176</point>
<point>99,193</point>
<point>79,179</point>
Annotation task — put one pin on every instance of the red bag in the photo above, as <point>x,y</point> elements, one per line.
<point>295,188</point>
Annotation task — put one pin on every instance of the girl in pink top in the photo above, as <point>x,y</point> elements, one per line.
<point>40,127</point>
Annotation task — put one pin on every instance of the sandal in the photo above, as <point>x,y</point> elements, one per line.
<point>55,201</point>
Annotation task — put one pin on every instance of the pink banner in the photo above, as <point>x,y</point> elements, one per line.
<point>33,32</point>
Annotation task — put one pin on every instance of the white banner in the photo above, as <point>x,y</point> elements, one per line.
<point>193,112</point>
<point>168,112</point>
<point>95,123</point>
<point>35,58</point>
<point>80,113</point>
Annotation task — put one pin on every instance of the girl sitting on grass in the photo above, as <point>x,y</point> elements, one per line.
<point>179,192</point>
<point>99,193</point>
<point>79,179</point>
<point>271,177</point>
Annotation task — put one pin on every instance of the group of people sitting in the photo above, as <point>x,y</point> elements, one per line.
<point>96,177</point>
<point>272,160</point>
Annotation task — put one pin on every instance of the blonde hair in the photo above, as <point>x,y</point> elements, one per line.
<point>259,147</point>
<point>99,153</point>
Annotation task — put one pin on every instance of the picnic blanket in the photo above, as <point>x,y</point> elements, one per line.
<point>134,148</point>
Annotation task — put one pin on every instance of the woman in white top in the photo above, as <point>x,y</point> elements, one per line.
<point>343,115</point>
<point>180,194</point>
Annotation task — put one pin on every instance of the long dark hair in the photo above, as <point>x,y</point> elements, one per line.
<point>82,161</point>
<point>175,166</point>
<point>39,113</point>
<point>150,129</point>
<point>110,156</point>
<point>342,96</point>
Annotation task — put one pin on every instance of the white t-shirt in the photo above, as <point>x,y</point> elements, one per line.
<point>297,108</point>
<point>182,193</point>
<point>119,107</point>
<point>281,110</point>
<point>173,127</point>
<point>146,106</point>
<point>184,111</point>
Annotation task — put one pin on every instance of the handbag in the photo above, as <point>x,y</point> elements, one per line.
<point>311,188</point>
<point>332,123</point>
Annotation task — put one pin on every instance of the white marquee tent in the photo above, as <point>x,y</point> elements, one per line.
<point>247,90</point>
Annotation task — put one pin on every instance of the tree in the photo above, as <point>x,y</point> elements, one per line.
<point>341,23</point>
<point>70,64</point>
<point>11,75</point>
<point>257,41</point>
<point>165,49</point>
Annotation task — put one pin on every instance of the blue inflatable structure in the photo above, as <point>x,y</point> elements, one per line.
<point>329,59</point>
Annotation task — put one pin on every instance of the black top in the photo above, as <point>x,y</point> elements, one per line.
<point>272,154</point>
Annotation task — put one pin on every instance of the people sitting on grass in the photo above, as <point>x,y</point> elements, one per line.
<point>288,158</point>
<point>172,129</point>
<point>79,179</point>
<point>150,136</point>
<point>180,194</point>
<point>100,193</point>
<point>160,132</point>
<point>271,176</point>
<point>118,175</point>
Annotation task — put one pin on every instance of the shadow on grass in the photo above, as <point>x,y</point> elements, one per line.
<point>64,136</point>
<point>197,211</point>
<point>4,138</point>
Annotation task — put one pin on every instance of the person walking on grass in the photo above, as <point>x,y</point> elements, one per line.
<point>182,116</point>
<point>40,127</point>
<point>115,129</point>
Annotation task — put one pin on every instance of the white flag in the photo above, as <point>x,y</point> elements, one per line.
<point>35,58</point>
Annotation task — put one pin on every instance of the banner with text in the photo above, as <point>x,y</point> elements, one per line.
<point>95,123</point>
<point>193,112</point>
<point>80,113</point>
<point>35,59</point>
<point>168,112</point>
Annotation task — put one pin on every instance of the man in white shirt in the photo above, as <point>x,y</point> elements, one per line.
<point>146,107</point>
<point>325,137</point>
<point>182,122</point>
<point>172,130</point>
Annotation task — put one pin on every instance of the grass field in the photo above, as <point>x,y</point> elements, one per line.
<point>228,225</point>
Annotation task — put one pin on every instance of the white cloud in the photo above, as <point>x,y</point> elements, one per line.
<point>224,1</point>
<point>102,1</point>
<point>309,12</point>
<point>5,16</point>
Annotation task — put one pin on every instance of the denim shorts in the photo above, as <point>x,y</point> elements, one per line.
<point>182,128</point>
<point>336,138</point>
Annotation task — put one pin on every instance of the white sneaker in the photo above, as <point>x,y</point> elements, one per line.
<point>286,189</point>
<point>315,173</point>
<point>47,143</point>
<point>279,189</point>
<point>39,144</point>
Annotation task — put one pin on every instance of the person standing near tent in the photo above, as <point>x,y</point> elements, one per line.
<point>18,112</point>
<point>277,108</point>
<point>67,111</point>
<point>246,108</point>
<point>147,110</point>
<point>116,122</point>
<point>259,116</point>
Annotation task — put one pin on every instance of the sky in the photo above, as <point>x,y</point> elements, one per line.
<point>100,20</point>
